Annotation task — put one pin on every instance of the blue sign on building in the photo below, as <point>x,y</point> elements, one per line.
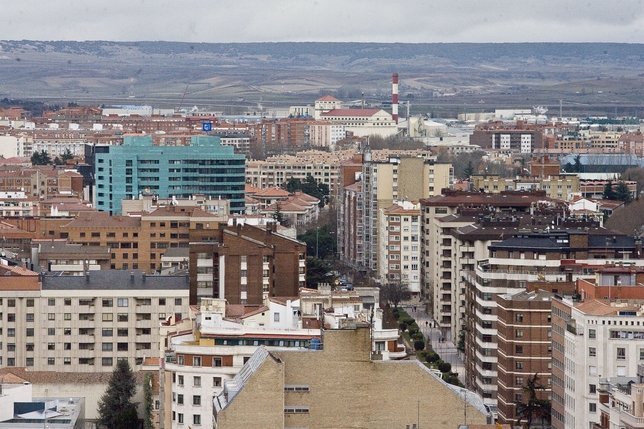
<point>206,126</point>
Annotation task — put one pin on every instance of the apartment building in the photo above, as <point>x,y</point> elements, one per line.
<point>43,182</point>
<point>363,122</point>
<point>557,186</point>
<point>620,401</point>
<point>399,247</point>
<point>204,167</point>
<point>508,137</point>
<point>556,257</point>
<point>85,323</point>
<point>245,264</point>
<point>444,256</point>
<point>326,134</point>
<point>524,334</point>
<point>598,337</point>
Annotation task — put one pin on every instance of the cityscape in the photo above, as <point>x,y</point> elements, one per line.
<point>349,223</point>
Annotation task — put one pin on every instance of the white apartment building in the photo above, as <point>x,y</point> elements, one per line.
<point>326,134</point>
<point>85,323</point>
<point>399,245</point>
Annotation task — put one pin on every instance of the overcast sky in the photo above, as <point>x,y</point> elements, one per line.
<point>326,20</point>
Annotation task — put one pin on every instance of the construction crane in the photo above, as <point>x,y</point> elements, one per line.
<point>182,97</point>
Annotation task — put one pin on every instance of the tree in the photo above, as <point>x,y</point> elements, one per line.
<point>40,158</point>
<point>115,409</point>
<point>58,161</point>
<point>622,193</point>
<point>311,187</point>
<point>319,242</point>
<point>535,408</point>
<point>394,292</point>
<point>636,174</point>
<point>469,170</point>
<point>608,194</point>
<point>317,271</point>
<point>277,214</point>
<point>147,400</point>
<point>67,155</point>
<point>577,165</point>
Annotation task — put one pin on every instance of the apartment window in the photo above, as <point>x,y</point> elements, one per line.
<point>67,331</point>
<point>30,332</point>
<point>107,347</point>
<point>51,302</point>
<point>519,381</point>
<point>180,398</point>
<point>121,317</point>
<point>518,365</point>
<point>196,381</point>
<point>51,331</point>
<point>196,361</point>
<point>196,399</point>
<point>67,361</point>
<point>122,302</point>
<point>108,317</point>
<point>276,317</point>
<point>11,332</point>
<point>518,350</point>
<point>11,302</point>
<point>30,302</point>
<point>592,333</point>
<point>519,333</point>
<point>107,361</point>
<point>641,354</point>
<point>592,407</point>
<point>108,332</point>
<point>11,317</point>
<point>122,332</point>
<point>177,301</point>
<point>161,301</point>
<point>592,370</point>
<point>180,360</point>
<point>216,362</point>
<point>519,318</point>
<point>518,397</point>
<point>108,302</point>
<point>216,381</point>
<point>592,388</point>
<point>180,380</point>
<point>11,347</point>
<point>51,361</point>
<point>180,416</point>
<point>621,353</point>
<point>67,316</point>
<point>51,346</point>
<point>196,419</point>
<point>51,316</point>
<point>592,351</point>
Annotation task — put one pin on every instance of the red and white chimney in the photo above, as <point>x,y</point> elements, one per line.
<point>394,97</point>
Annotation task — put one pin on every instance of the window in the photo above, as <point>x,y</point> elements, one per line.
<point>51,346</point>
<point>180,417</point>
<point>30,317</point>
<point>107,361</point>
<point>276,317</point>
<point>11,347</point>
<point>108,332</point>
<point>51,302</point>
<point>592,370</point>
<point>519,318</point>
<point>122,302</point>
<point>121,317</point>
<point>196,400</point>
<point>177,301</point>
<point>196,381</point>
<point>161,301</point>
<point>592,333</point>
<point>196,361</point>
<point>51,361</point>
<point>621,353</point>
<point>518,350</point>
<point>519,365</point>
<point>67,361</point>
<point>108,347</point>
<point>641,354</point>
<point>296,410</point>
<point>122,332</point>
<point>216,362</point>
<point>592,388</point>
<point>11,332</point>
<point>11,317</point>
<point>67,316</point>
<point>216,381</point>
<point>30,332</point>
<point>180,360</point>
<point>67,331</point>
<point>592,351</point>
<point>180,380</point>
<point>108,317</point>
<point>108,302</point>
<point>592,407</point>
<point>11,302</point>
<point>51,316</point>
<point>196,419</point>
<point>30,302</point>
<point>180,399</point>
<point>519,381</point>
<point>51,331</point>
<point>519,333</point>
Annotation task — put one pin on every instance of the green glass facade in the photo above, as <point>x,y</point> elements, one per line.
<point>205,167</point>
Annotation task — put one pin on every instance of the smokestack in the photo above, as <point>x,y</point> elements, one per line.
<point>394,97</point>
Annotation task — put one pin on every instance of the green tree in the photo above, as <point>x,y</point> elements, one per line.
<point>67,155</point>
<point>40,158</point>
<point>535,408</point>
<point>577,165</point>
<point>319,242</point>
<point>317,271</point>
<point>469,170</point>
<point>311,187</point>
<point>278,216</point>
<point>622,193</point>
<point>609,193</point>
<point>147,400</point>
<point>115,408</point>
<point>58,161</point>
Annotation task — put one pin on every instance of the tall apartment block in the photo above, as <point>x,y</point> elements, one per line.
<point>205,167</point>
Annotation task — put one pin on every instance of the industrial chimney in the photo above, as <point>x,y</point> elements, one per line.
<point>394,97</point>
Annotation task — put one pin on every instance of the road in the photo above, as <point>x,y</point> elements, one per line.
<point>446,349</point>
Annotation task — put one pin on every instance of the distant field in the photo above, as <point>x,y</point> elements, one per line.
<point>441,79</point>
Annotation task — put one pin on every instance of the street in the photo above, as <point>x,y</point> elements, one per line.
<point>446,349</point>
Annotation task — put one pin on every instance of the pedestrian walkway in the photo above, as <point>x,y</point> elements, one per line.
<point>445,348</point>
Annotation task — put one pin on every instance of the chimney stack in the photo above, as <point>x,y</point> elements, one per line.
<point>394,97</point>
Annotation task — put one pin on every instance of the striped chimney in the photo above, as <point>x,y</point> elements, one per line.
<point>394,97</point>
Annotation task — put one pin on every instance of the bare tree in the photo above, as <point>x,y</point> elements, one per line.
<point>394,292</point>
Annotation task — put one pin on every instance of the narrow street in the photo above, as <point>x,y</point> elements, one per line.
<point>446,349</point>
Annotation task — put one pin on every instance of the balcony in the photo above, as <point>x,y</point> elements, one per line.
<point>631,420</point>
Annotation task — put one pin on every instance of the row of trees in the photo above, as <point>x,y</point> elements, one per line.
<point>618,192</point>
<point>43,158</point>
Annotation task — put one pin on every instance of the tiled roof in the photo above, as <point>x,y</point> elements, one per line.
<point>327,98</point>
<point>601,308</point>
<point>273,192</point>
<point>115,280</point>
<point>47,377</point>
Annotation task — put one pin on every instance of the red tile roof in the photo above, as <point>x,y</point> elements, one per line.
<point>351,112</point>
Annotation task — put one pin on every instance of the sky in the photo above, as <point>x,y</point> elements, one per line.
<point>411,21</point>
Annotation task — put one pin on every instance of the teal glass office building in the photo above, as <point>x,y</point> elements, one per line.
<point>205,167</point>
